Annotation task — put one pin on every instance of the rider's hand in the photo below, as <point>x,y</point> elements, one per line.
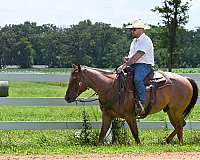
<point>120,68</point>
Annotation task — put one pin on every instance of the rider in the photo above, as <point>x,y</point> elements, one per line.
<point>140,59</point>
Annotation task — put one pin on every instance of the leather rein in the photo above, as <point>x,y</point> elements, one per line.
<point>116,97</point>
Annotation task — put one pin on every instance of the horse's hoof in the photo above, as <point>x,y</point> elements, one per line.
<point>138,142</point>
<point>99,143</point>
<point>164,142</point>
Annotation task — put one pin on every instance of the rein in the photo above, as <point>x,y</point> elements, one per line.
<point>117,96</point>
<point>89,99</point>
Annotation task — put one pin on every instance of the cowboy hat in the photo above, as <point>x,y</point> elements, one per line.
<point>138,24</point>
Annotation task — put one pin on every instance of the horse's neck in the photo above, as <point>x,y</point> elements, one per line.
<point>98,82</point>
<point>110,89</point>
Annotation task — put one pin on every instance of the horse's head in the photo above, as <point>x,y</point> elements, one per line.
<point>76,84</point>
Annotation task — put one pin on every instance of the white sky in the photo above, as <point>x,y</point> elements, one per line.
<point>64,13</point>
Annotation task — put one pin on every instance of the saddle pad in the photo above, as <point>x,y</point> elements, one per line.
<point>158,77</point>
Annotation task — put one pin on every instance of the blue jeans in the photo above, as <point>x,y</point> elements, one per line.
<point>139,72</point>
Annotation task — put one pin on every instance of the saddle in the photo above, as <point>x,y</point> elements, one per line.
<point>157,78</point>
<point>153,81</point>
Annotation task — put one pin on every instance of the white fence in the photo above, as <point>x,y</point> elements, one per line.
<point>11,101</point>
<point>44,77</point>
<point>60,102</point>
<point>53,125</point>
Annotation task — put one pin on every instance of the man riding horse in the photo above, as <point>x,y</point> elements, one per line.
<point>140,59</point>
<point>177,97</point>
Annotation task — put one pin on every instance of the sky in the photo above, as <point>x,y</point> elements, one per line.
<point>64,13</point>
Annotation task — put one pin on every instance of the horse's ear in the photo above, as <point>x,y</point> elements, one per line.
<point>79,67</point>
<point>74,66</point>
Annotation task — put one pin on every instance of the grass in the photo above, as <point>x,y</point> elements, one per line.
<point>45,113</point>
<point>27,142</point>
<point>69,113</point>
<point>61,142</point>
<point>36,89</point>
<point>40,89</point>
<point>186,70</point>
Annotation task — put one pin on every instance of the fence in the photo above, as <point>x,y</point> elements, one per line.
<point>53,125</point>
<point>60,102</point>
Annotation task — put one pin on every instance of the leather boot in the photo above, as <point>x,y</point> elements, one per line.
<point>140,109</point>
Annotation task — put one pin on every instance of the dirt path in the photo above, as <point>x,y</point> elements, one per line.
<point>147,156</point>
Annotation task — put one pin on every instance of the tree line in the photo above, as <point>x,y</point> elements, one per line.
<point>93,44</point>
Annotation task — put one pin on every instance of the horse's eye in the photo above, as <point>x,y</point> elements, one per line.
<point>80,84</point>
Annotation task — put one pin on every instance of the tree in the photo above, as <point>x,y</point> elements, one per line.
<point>7,46</point>
<point>174,14</point>
<point>25,53</point>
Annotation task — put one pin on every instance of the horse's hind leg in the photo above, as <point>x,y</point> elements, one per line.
<point>178,122</point>
<point>180,135</point>
<point>179,132</point>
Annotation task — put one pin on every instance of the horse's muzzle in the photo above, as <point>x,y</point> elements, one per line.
<point>68,99</point>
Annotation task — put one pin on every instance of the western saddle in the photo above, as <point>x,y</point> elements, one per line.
<point>153,81</point>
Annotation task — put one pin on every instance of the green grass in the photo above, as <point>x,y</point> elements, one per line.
<point>69,113</point>
<point>45,113</point>
<point>25,142</point>
<point>61,142</point>
<point>36,89</point>
<point>186,70</point>
<point>40,89</point>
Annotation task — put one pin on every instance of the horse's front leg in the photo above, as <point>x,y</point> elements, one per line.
<point>131,120</point>
<point>106,122</point>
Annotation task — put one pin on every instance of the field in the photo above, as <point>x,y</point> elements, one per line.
<point>64,141</point>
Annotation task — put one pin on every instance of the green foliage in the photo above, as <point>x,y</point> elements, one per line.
<point>7,46</point>
<point>119,132</point>
<point>87,136</point>
<point>25,53</point>
<point>94,44</point>
<point>174,13</point>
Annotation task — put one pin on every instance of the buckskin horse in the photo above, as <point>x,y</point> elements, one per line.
<point>177,99</point>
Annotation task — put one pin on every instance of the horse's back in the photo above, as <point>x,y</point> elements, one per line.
<point>179,81</point>
<point>177,94</point>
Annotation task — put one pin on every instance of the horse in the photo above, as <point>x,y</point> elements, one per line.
<point>177,99</point>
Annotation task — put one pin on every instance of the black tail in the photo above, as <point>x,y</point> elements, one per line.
<point>193,100</point>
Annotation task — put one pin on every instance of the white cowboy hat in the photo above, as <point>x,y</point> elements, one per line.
<point>138,24</point>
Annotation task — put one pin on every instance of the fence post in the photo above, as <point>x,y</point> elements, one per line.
<point>4,88</point>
